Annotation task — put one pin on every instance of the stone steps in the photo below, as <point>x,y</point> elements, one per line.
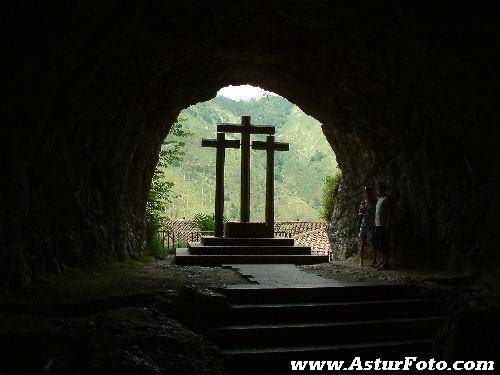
<point>324,333</point>
<point>270,360</point>
<point>184,257</point>
<point>230,250</point>
<point>256,294</point>
<point>199,249</point>
<point>266,328</point>
<point>338,311</point>
<point>226,241</point>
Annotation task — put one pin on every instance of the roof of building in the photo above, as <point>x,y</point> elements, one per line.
<point>317,239</point>
<point>182,225</point>
<point>298,227</point>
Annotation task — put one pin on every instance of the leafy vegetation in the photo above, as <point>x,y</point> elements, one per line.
<point>204,222</point>
<point>171,151</point>
<point>330,192</point>
<point>298,172</point>
<point>154,244</point>
<point>171,249</point>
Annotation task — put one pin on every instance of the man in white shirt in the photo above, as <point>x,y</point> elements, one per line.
<point>382,220</point>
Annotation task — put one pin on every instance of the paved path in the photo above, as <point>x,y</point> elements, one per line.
<point>283,276</point>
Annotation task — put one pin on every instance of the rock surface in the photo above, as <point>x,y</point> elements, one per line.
<point>115,320</point>
<point>472,327</point>
<point>407,93</point>
<point>122,341</point>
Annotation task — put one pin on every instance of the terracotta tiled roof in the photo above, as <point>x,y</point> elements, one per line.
<point>317,239</point>
<point>292,227</point>
<point>297,227</point>
<point>181,225</point>
<point>183,230</point>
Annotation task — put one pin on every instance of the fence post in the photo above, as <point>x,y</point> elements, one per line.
<point>168,239</point>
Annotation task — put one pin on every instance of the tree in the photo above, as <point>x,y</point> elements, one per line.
<point>172,150</point>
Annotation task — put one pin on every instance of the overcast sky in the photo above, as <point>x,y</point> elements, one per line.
<point>243,92</point>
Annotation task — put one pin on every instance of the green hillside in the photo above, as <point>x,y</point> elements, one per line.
<point>299,172</point>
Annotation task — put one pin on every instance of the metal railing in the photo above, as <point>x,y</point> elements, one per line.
<point>283,233</point>
<point>171,239</point>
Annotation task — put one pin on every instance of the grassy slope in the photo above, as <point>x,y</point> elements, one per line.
<point>299,172</point>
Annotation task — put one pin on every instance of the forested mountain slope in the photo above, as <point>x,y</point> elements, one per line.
<point>299,173</point>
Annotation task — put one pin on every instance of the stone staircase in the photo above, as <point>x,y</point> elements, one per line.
<point>268,327</point>
<point>230,250</point>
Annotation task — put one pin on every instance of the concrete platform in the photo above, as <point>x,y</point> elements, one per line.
<point>184,257</point>
<point>280,276</point>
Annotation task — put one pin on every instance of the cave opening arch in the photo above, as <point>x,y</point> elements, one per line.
<point>404,91</point>
<point>299,173</point>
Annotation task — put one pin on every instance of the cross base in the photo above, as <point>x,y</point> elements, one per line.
<point>234,229</point>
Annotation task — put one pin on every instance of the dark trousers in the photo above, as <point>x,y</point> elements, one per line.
<point>382,240</point>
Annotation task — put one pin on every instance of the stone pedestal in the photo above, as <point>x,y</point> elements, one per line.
<point>247,230</point>
<point>225,250</point>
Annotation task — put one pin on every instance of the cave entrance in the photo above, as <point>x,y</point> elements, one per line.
<point>186,171</point>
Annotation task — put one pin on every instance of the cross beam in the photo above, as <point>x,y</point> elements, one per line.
<point>270,146</point>
<point>221,143</point>
<point>246,129</point>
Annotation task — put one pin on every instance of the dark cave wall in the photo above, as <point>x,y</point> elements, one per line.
<point>406,92</point>
<point>436,125</point>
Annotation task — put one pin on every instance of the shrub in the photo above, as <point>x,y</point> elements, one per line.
<point>330,192</point>
<point>154,243</point>
<point>159,193</point>
<point>205,222</point>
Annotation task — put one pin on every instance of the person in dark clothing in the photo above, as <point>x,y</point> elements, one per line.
<point>366,220</point>
<point>383,213</point>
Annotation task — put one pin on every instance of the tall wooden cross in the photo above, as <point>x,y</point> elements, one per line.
<point>270,146</point>
<point>246,129</point>
<point>221,143</point>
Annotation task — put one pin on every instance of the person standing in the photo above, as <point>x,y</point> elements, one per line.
<point>382,233</point>
<point>366,217</point>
